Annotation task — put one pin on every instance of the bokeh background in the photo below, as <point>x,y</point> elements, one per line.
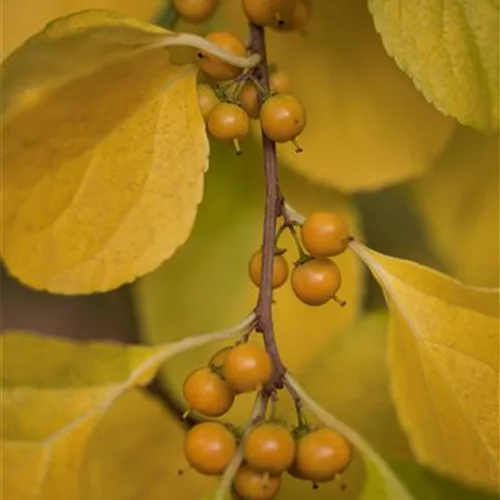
<point>413,184</point>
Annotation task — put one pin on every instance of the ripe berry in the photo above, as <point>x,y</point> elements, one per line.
<point>207,99</point>
<point>209,447</point>
<point>269,12</point>
<point>249,99</point>
<point>299,18</point>
<point>325,234</point>
<point>316,281</point>
<point>269,448</point>
<point>207,393</point>
<point>280,82</point>
<point>247,366</point>
<point>216,68</point>
<point>321,455</point>
<point>218,359</point>
<point>195,11</point>
<point>253,485</point>
<point>282,117</point>
<point>280,269</point>
<point>228,122</point>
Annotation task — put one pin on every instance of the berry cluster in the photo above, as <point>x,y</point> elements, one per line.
<point>228,115</point>
<point>315,278</point>
<point>228,108</point>
<point>285,15</point>
<point>270,449</point>
<point>211,390</point>
<point>229,98</point>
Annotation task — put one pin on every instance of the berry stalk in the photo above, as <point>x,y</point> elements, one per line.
<point>272,212</point>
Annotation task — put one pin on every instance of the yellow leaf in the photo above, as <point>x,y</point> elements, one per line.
<point>356,359</point>
<point>137,452</point>
<point>349,378</point>
<point>450,49</point>
<point>444,350</point>
<point>206,283</point>
<point>104,151</point>
<point>459,201</point>
<point>382,482</point>
<point>368,127</point>
<point>22,18</point>
<point>56,395</point>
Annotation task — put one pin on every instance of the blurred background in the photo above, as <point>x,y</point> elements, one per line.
<point>413,184</point>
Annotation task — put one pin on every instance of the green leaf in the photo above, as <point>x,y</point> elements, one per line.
<point>450,49</point>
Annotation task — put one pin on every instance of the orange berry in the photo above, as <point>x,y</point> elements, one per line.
<point>228,122</point>
<point>299,18</point>
<point>282,117</point>
<point>269,12</point>
<point>280,269</point>
<point>325,234</point>
<point>252,485</point>
<point>216,68</point>
<point>321,455</point>
<point>269,447</point>
<point>209,447</point>
<point>195,11</point>
<point>247,366</point>
<point>207,99</point>
<point>316,281</point>
<point>218,359</point>
<point>207,393</point>
<point>249,99</point>
<point>280,82</point>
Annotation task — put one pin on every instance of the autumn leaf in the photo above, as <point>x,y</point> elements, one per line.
<point>349,378</point>
<point>450,49</point>
<point>444,350</point>
<point>55,394</point>
<point>109,185</point>
<point>362,399</point>
<point>76,426</point>
<point>367,126</point>
<point>209,274</point>
<point>386,481</point>
<point>136,451</point>
<point>464,224</point>
<point>426,484</point>
<point>22,18</point>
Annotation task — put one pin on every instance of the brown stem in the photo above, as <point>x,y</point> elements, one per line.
<point>272,212</point>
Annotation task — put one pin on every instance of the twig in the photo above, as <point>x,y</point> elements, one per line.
<point>272,212</point>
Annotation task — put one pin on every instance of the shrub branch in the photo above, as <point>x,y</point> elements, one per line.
<point>272,212</point>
